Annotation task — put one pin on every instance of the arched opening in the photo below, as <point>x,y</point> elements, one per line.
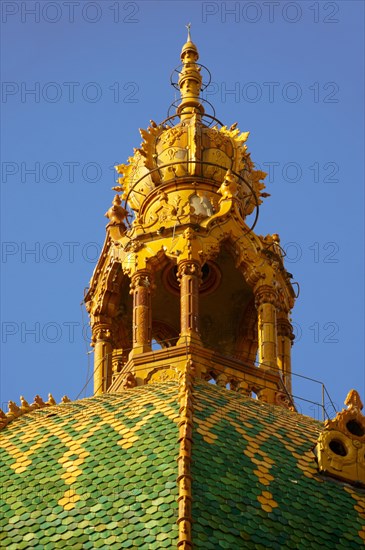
<point>224,297</point>
<point>122,324</point>
<point>155,345</point>
<point>165,306</point>
<point>163,335</point>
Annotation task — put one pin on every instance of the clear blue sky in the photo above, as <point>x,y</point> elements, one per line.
<point>99,71</point>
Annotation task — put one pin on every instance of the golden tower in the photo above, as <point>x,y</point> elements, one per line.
<point>159,457</point>
<point>189,272</point>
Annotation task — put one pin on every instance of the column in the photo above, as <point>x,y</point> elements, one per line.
<point>103,349</point>
<point>189,275</point>
<point>141,289</point>
<point>266,300</point>
<point>285,340</point>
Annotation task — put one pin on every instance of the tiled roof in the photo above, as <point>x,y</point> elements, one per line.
<point>96,473</point>
<point>101,473</point>
<point>256,484</point>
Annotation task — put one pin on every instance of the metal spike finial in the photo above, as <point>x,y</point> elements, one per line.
<point>188,26</point>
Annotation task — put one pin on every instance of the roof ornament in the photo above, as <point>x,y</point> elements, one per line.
<point>188,26</point>
<point>340,449</point>
<point>190,80</point>
<point>353,401</point>
<point>15,411</point>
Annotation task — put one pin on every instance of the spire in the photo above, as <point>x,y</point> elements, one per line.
<point>190,79</point>
<point>188,26</point>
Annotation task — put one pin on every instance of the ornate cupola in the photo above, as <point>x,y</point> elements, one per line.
<point>183,279</point>
<point>185,293</point>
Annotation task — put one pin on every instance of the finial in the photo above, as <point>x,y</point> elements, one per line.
<point>116,213</point>
<point>25,407</point>
<point>51,400</point>
<point>188,26</point>
<point>13,408</point>
<point>38,402</point>
<point>353,401</point>
<point>190,80</point>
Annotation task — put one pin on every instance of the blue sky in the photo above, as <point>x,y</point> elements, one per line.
<point>289,72</point>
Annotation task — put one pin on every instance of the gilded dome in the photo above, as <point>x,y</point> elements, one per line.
<point>187,155</point>
<point>190,151</point>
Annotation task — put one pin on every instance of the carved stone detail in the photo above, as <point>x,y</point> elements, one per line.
<point>283,399</point>
<point>188,268</point>
<point>102,333</point>
<point>229,187</point>
<point>352,413</point>
<point>353,402</point>
<point>117,214</point>
<point>285,328</point>
<point>164,374</point>
<point>129,381</point>
<point>340,449</point>
<point>265,294</point>
<point>141,279</point>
